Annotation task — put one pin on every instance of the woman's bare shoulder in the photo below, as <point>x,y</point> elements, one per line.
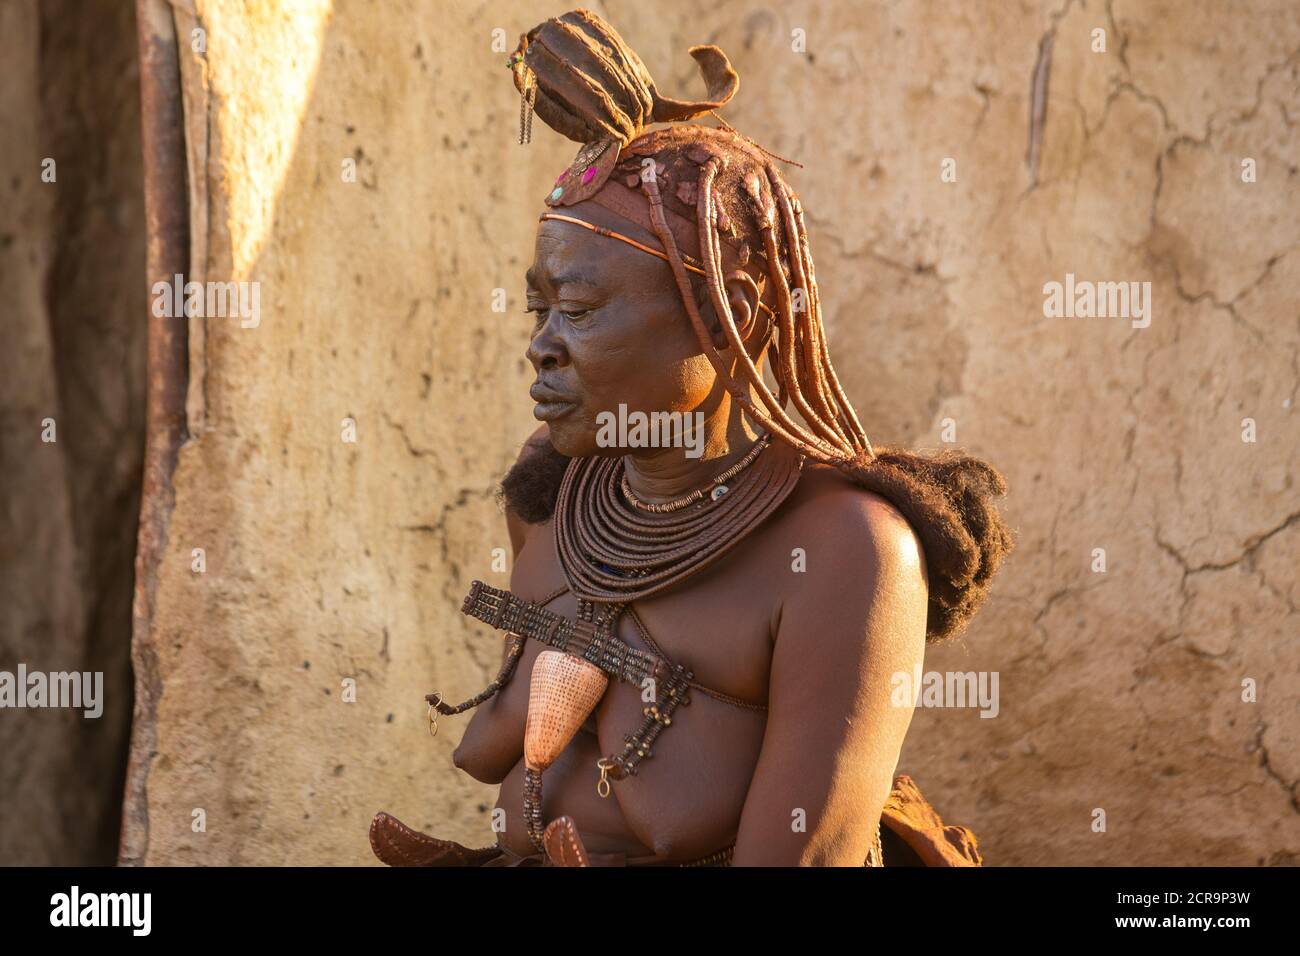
<point>852,525</point>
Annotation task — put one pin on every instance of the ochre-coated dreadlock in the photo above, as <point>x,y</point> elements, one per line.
<point>739,194</point>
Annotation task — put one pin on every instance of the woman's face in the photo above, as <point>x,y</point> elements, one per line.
<point>609,330</point>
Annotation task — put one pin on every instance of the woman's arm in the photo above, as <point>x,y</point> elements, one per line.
<point>493,740</point>
<point>856,617</point>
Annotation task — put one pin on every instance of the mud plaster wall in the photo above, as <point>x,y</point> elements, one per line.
<point>328,560</point>
<point>72,349</point>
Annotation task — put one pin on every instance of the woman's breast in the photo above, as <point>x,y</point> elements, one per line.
<point>683,802</point>
<point>686,798</point>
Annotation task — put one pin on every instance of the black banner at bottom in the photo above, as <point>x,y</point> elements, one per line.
<point>602,906</point>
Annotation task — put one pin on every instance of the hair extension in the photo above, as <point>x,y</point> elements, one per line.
<point>532,484</point>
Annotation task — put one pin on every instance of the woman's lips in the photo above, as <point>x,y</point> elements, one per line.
<point>550,405</point>
<point>550,411</point>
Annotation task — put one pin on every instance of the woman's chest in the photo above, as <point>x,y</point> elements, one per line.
<point>687,792</point>
<point>683,802</point>
<point>719,625</point>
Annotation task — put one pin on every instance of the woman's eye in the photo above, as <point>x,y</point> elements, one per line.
<point>541,310</point>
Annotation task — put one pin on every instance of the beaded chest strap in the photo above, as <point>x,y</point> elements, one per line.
<point>590,638</point>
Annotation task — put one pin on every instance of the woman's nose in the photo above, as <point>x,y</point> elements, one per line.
<point>546,348</point>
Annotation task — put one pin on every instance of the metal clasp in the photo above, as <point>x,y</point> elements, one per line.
<point>433,717</point>
<point>605,765</point>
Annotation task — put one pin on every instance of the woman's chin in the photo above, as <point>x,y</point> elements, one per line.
<point>574,439</point>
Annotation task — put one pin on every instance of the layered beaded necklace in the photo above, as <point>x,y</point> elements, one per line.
<point>714,489</point>
<point>614,548</point>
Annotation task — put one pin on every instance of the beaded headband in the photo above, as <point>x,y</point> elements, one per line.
<point>621,196</point>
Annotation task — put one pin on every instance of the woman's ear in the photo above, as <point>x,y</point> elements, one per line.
<point>743,296</point>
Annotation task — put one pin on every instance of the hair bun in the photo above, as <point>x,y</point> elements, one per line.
<point>587,84</point>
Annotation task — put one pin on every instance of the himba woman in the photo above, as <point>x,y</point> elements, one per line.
<point>700,648</point>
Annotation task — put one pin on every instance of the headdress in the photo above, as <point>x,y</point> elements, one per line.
<point>599,93</point>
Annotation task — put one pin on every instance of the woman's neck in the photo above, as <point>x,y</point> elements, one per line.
<point>663,474</point>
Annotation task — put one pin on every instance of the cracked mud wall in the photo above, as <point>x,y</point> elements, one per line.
<point>329,561</point>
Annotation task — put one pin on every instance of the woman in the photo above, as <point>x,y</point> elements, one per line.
<point>709,615</point>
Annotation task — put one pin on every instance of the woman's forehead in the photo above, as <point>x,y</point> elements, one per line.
<point>597,214</point>
<point>568,252</point>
